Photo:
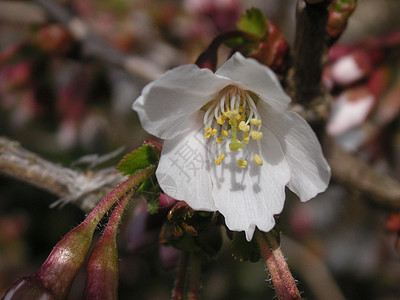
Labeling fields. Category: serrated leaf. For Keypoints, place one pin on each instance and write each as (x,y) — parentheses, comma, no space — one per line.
(244,250)
(138,160)
(253,21)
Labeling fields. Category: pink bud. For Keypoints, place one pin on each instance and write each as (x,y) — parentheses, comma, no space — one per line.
(57,273)
(102,269)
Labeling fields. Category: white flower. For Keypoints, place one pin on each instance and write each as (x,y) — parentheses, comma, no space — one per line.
(230,145)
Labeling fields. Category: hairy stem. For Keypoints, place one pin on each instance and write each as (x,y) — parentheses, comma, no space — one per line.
(285,286)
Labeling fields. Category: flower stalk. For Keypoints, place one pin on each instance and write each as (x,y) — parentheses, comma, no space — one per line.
(285,286)
(179,285)
(194,287)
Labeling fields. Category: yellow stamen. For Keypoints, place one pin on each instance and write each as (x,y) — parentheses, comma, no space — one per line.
(220,121)
(256,135)
(219,140)
(246,138)
(242,163)
(219,159)
(255,122)
(224,133)
(243,127)
(207,135)
(257,160)
(214,132)
(208,129)
(241,109)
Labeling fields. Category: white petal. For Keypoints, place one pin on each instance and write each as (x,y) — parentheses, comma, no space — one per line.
(249,74)
(249,198)
(183,168)
(310,171)
(166,105)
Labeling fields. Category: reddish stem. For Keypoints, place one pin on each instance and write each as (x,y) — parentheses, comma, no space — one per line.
(285,286)
(194,288)
(179,286)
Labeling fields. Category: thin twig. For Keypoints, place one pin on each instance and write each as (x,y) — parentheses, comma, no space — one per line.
(94,46)
(349,170)
(83,188)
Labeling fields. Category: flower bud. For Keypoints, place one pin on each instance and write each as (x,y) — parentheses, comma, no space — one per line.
(57,273)
(28,288)
(102,269)
(273,50)
(55,277)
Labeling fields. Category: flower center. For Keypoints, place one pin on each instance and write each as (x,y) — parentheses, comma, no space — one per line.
(232,117)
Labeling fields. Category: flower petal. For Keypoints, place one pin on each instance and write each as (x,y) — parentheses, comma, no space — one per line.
(250,197)
(250,75)
(183,168)
(310,171)
(167,104)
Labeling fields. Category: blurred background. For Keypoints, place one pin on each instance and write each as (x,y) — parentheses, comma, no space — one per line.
(69,72)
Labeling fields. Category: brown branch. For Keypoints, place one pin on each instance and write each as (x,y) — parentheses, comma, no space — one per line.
(94,46)
(309,48)
(83,188)
(349,170)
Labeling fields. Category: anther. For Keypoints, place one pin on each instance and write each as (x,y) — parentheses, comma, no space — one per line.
(242,163)
(219,140)
(214,132)
(256,135)
(220,121)
(258,160)
(246,138)
(243,127)
(219,159)
(255,122)
(207,135)
(208,129)
(224,133)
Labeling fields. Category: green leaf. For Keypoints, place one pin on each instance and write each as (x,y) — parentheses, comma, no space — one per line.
(244,250)
(138,160)
(253,21)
